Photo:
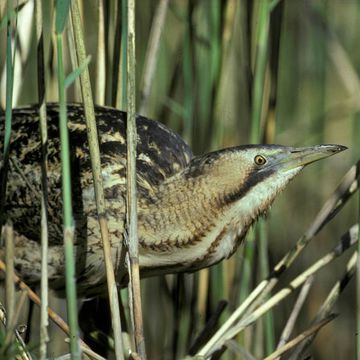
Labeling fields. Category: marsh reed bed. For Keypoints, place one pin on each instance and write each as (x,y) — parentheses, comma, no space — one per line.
(220,73)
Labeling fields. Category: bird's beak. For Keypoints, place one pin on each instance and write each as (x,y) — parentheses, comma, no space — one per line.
(300,157)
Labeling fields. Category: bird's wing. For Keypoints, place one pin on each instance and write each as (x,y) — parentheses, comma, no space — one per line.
(160,154)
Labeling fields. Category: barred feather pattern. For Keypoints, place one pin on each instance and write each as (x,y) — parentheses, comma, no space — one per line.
(160,154)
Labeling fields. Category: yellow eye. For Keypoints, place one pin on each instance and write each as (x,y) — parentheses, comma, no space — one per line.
(259,160)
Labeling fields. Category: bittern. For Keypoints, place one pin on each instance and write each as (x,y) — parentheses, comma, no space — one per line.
(192,211)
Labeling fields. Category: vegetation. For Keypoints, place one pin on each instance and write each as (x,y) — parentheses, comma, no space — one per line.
(220,73)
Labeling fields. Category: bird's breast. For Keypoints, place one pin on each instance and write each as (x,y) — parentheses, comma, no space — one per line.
(213,244)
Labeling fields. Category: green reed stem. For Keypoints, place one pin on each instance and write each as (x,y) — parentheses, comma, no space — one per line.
(10,63)
(44,318)
(67,209)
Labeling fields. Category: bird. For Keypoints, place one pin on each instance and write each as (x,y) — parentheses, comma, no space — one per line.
(193,211)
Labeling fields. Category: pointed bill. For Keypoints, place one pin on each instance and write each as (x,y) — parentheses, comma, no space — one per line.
(300,157)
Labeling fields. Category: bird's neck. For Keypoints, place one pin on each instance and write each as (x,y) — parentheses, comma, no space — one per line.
(193,219)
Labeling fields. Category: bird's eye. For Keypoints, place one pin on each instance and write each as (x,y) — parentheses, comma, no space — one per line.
(259,160)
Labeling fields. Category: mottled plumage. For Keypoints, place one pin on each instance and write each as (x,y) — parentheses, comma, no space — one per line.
(192,213)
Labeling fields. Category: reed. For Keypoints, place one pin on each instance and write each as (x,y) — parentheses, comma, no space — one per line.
(220,73)
(62,11)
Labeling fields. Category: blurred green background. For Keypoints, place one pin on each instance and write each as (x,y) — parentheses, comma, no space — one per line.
(203,87)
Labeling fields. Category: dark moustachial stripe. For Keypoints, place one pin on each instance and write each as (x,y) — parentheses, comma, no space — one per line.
(250,182)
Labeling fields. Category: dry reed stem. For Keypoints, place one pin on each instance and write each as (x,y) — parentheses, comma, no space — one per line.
(209,328)
(9,284)
(152,54)
(313,329)
(98,183)
(121,62)
(304,292)
(338,250)
(25,355)
(131,203)
(11,323)
(234,316)
(228,333)
(239,351)
(329,303)
(52,314)
(100,76)
(203,291)
(44,321)
(70,36)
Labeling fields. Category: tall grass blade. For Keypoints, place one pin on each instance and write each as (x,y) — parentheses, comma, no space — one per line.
(62,12)
(9,15)
(100,78)
(77,72)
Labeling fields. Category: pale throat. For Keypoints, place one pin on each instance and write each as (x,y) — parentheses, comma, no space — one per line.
(239,215)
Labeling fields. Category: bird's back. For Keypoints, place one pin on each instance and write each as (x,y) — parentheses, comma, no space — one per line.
(160,154)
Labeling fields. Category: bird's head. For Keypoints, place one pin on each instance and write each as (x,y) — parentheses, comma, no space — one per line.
(253,175)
